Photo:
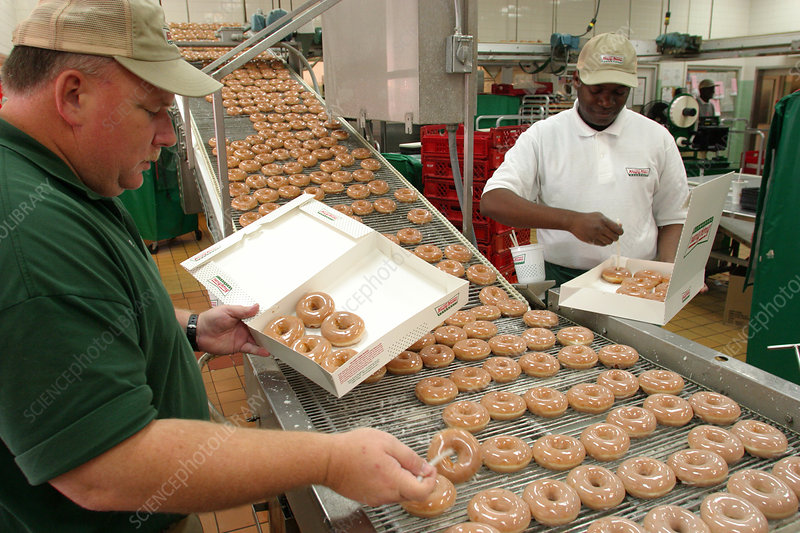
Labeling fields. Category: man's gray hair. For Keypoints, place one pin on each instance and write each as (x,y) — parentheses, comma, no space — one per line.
(28,68)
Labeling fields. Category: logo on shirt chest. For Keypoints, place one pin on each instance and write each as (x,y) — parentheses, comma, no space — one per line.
(634,172)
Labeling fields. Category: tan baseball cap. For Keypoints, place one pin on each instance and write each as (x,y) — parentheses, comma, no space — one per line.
(608,58)
(706,83)
(134,32)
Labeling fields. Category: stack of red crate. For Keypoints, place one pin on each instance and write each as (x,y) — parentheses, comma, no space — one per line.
(494,239)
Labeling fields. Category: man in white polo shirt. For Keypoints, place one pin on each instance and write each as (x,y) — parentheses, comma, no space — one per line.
(596,173)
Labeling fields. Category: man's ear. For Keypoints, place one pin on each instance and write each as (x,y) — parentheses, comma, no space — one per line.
(71,92)
(576,79)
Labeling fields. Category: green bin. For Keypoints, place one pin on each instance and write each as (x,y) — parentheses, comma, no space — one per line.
(409,166)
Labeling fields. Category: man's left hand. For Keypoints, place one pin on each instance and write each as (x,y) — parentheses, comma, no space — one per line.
(220,331)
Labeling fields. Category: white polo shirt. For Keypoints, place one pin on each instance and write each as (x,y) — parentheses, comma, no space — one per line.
(631,172)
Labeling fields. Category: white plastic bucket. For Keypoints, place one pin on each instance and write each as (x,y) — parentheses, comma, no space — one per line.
(529,263)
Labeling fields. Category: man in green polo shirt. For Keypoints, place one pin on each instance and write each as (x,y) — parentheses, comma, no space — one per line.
(102,407)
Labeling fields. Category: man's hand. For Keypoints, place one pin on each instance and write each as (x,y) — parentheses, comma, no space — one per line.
(375,468)
(220,330)
(595,228)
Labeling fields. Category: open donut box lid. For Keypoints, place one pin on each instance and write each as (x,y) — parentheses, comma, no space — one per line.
(590,292)
(306,246)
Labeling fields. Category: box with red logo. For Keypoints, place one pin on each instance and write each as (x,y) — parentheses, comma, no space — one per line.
(306,246)
(590,292)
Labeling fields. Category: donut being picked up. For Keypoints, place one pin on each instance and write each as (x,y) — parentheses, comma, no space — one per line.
(440,500)
(464,446)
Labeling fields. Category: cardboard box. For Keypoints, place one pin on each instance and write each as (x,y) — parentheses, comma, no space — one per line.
(737,301)
(307,246)
(591,293)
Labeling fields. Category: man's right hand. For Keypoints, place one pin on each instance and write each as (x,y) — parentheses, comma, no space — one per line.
(595,228)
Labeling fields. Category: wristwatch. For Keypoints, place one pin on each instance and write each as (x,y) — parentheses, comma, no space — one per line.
(191,332)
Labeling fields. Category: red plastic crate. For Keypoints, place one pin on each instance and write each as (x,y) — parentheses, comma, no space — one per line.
(500,260)
(504,137)
(435,142)
(445,189)
(439,167)
(485,228)
(502,241)
(509,273)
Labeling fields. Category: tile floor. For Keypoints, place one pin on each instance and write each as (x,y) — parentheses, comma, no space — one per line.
(701,320)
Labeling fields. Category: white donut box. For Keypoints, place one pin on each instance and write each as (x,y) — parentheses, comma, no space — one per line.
(589,292)
(306,246)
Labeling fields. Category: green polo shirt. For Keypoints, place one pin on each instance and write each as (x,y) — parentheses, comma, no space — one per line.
(90,350)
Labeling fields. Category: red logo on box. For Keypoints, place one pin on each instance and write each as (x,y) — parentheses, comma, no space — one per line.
(447,305)
(221,284)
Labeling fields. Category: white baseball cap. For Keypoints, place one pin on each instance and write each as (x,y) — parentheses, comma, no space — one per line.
(608,58)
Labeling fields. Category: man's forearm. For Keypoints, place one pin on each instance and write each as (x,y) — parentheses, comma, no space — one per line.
(668,238)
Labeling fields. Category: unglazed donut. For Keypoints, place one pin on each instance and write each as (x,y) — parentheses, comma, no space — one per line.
(409,236)
(728,513)
(645,477)
(673,518)
(618,356)
(636,421)
(492,295)
(508,345)
(343,328)
(441,499)
(614,524)
(463,414)
(767,492)
(575,335)
(419,216)
(435,390)
(512,307)
(670,410)
(449,335)
(503,405)
(285,329)
(590,398)
(540,318)
(621,382)
(545,402)
(406,362)
(577,356)
(481,275)
(539,364)
(605,442)
(313,308)
(701,468)
(615,274)
(760,439)
(539,339)
(472,350)
(715,408)
(501,509)
(788,470)
(502,369)
(660,381)
(312,346)
(598,487)
(558,452)
(506,453)
(552,502)
(718,440)
(456,252)
(466,449)
(436,355)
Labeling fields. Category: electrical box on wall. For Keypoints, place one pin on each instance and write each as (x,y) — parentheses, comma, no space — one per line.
(389,59)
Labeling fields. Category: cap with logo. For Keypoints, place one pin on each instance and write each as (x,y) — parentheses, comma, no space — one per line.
(608,58)
(133,32)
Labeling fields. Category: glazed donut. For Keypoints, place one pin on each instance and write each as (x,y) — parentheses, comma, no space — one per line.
(385,206)
(545,402)
(663,381)
(715,408)
(575,335)
(634,290)
(486,312)
(361,153)
(419,216)
(512,307)
(605,442)
(728,513)
(503,405)
(313,308)
(539,364)
(362,207)
(289,192)
(456,252)
(307,160)
(406,362)
(370,164)
(558,452)
(621,382)
(463,414)
(336,358)
(362,175)
(343,328)
(312,346)
(264,159)
(435,390)
(441,499)
(590,398)
(481,275)
(317,193)
(717,440)
(577,356)
(470,378)
(345,159)
(332,124)
(293,167)
(539,338)
(329,166)
(674,518)
(767,492)
(248,218)
(285,329)
(378,187)
(449,335)
(436,355)
(614,524)
(466,449)
(454,268)
(409,236)
(492,295)
(670,410)
(471,349)
(428,252)
(618,356)
(376,376)
(405,195)
(760,439)
(636,421)
(323,154)
(320,177)
(245,202)
(645,477)
(505,453)
(236,174)
(331,187)
(615,274)
(598,487)
(341,176)
(502,369)
(340,135)
(552,502)
(649,275)
(425,340)
(508,345)
(788,470)
(501,509)
(237,188)
(460,318)
(391,237)
(540,318)
(266,195)
(357,191)
(700,468)
(265,209)
(249,165)
(471,527)
(344,209)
